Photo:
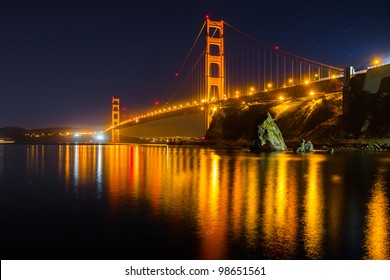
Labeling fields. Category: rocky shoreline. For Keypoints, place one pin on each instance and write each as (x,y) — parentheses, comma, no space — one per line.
(358,146)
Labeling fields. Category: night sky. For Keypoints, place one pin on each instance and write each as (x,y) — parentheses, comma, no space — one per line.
(61,61)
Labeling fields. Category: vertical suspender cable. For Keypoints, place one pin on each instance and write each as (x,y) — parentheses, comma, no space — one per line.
(284,70)
(264,67)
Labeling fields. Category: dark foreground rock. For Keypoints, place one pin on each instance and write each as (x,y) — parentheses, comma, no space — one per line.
(267,136)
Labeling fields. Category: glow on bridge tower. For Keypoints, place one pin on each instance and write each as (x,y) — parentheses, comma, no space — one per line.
(214,65)
(115,119)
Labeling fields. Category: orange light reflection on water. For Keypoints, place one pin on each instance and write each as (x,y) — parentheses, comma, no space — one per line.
(314,209)
(377,231)
(67,165)
(280,219)
(273,202)
(251,220)
(212,209)
(237,198)
(35,159)
(116,157)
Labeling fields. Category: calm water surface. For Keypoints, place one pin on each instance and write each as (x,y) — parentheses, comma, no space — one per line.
(160,202)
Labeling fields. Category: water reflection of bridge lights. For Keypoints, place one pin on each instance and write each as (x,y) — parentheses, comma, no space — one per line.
(314,209)
(377,234)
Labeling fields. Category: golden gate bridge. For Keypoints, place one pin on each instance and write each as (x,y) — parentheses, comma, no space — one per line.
(226,67)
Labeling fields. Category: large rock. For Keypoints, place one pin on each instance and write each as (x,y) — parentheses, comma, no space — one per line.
(304,147)
(267,137)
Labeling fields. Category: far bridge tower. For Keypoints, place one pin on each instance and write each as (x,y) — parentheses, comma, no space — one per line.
(115,119)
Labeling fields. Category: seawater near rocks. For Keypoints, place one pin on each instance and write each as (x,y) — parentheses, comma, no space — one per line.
(267,136)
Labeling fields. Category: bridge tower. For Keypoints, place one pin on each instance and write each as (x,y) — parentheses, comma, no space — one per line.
(214,66)
(115,119)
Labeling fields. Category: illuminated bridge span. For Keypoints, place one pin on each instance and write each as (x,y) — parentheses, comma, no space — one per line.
(226,67)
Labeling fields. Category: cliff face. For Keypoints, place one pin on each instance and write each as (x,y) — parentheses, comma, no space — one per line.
(306,117)
(369,114)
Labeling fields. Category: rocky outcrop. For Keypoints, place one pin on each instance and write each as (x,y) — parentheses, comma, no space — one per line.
(304,147)
(267,136)
(306,117)
(368,116)
(317,118)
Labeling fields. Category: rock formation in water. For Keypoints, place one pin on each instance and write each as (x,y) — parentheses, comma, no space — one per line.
(304,147)
(267,136)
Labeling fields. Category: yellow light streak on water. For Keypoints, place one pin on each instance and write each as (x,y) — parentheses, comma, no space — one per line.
(252,203)
(314,209)
(377,231)
(280,219)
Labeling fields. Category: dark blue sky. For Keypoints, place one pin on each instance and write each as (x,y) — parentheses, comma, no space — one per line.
(61,61)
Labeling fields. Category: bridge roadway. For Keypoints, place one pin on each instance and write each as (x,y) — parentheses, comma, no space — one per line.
(295,91)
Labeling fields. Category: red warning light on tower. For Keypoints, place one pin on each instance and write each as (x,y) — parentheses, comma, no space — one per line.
(276,47)
(207,16)
(155,102)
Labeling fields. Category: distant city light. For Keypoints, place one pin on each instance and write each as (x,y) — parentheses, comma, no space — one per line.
(99,137)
